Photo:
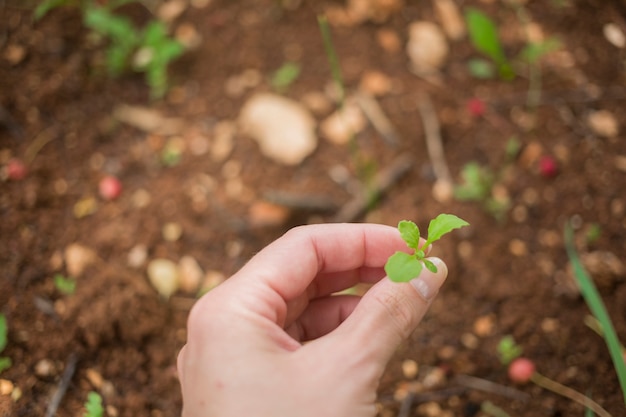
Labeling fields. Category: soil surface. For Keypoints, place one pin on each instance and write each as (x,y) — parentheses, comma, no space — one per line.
(221,199)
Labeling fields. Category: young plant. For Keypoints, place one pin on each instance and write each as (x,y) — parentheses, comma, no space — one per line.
(284,76)
(93,405)
(402,266)
(150,49)
(484,36)
(5,363)
(596,305)
(65,285)
(522,370)
(478,183)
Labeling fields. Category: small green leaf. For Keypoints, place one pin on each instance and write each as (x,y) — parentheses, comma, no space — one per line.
(410,233)
(442,224)
(65,285)
(4,331)
(430,266)
(402,267)
(484,35)
(285,75)
(5,363)
(93,405)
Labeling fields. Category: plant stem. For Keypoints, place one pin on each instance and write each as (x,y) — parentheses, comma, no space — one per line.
(332,58)
(547,383)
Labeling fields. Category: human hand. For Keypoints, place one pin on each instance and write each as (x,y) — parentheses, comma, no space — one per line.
(245,354)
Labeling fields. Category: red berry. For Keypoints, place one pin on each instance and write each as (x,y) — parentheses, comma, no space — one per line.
(16,170)
(548,167)
(476,107)
(110,187)
(521,370)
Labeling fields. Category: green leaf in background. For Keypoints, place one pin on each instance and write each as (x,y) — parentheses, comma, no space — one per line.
(481,69)
(403,267)
(285,76)
(534,51)
(484,36)
(5,363)
(65,285)
(596,305)
(4,331)
(442,224)
(93,405)
(410,233)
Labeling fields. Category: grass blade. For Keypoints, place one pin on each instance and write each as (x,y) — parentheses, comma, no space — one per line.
(597,307)
(332,57)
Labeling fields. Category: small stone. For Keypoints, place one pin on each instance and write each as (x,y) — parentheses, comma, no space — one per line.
(170,10)
(375,83)
(188,36)
(94,377)
(211,280)
(409,369)
(223,143)
(344,124)
(265,214)
(603,123)
(434,377)
(141,198)
(530,155)
(84,207)
(190,274)
(388,40)
(317,102)
(469,340)
(163,275)
(199,145)
(429,409)
(45,368)
(427,47)
(517,247)
(549,238)
(484,326)
(605,268)
(137,256)
(446,353)
(451,19)
(77,258)
(6,387)
(443,191)
(14,54)
(172,231)
(234,248)
(614,34)
(549,325)
(283,128)
(519,214)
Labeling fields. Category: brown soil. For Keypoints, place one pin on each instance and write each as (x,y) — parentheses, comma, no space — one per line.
(508,277)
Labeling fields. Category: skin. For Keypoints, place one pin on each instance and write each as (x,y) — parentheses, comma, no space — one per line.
(245,353)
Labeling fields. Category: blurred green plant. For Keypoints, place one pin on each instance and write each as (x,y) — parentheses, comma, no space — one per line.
(284,76)
(149,50)
(484,37)
(508,350)
(5,363)
(596,305)
(93,405)
(64,284)
(477,184)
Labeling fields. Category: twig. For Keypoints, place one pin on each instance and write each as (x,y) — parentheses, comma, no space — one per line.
(490,408)
(64,383)
(38,143)
(377,117)
(308,202)
(433,137)
(407,405)
(567,392)
(381,183)
(489,386)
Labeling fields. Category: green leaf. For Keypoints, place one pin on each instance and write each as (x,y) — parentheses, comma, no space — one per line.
(442,224)
(508,350)
(430,266)
(4,331)
(5,363)
(65,285)
(402,267)
(93,405)
(285,75)
(410,233)
(484,35)
(481,68)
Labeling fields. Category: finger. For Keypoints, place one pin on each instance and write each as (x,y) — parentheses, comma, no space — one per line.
(391,311)
(292,262)
(322,316)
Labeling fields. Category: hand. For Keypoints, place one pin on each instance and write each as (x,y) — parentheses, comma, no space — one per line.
(245,354)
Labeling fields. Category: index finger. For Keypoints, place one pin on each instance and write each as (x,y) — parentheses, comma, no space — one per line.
(291,263)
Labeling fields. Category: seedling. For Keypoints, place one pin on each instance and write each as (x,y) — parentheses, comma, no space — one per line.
(5,363)
(65,285)
(93,405)
(285,76)
(478,183)
(484,36)
(522,370)
(150,49)
(402,266)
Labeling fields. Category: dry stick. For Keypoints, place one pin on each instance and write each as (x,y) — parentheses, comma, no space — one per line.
(64,383)
(490,386)
(377,117)
(382,182)
(567,392)
(434,143)
(308,202)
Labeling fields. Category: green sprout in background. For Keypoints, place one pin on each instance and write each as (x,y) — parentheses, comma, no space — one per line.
(93,405)
(5,363)
(149,50)
(64,284)
(284,76)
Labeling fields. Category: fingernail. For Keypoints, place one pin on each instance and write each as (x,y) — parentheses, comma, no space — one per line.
(428,283)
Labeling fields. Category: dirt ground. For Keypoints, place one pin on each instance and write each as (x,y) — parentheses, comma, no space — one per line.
(219,205)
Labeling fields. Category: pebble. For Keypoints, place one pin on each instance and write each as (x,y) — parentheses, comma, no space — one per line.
(519,214)
(434,377)
(77,258)
(223,144)
(211,280)
(188,36)
(484,326)
(603,123)
(451,19)
(172,231)
(410,368)
(427,47)
(614,34)
(137,256)
(317,102)
(389,40)
(94,377)
(283,128)
(344,124)
(530,154)
(6,387)
(375,83)
(469,340)
(234,248)
(170,10)
(518,247)
(190,274)
(141,198)
(199,145)
(549,325)
(265,214)
(45,368)
(163,275)
(14,54)
(549,238)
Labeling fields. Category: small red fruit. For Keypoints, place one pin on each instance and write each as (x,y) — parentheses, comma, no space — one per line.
(521,370)
(476,107)
(110,187)
(548,167)
(16,170)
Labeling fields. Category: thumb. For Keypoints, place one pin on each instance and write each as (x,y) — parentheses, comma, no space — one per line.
(389,312)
